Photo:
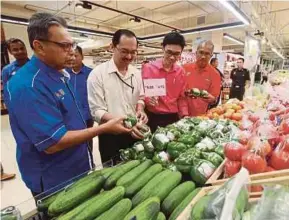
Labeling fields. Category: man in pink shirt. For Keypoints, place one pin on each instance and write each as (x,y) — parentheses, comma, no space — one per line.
(164,110)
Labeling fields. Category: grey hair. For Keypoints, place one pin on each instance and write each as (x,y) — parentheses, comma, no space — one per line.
(39,25)
(206,43)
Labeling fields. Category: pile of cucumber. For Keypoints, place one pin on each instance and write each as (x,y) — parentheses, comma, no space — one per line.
(133,190)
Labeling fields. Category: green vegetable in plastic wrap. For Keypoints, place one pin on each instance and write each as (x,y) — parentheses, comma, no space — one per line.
(213,157)
(148,146)
(130,121)
(160,141)
(201,171)
(161,158)
(220,150)
(204,93)
(174,149)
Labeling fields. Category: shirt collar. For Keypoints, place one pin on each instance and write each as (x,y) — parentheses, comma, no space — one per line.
(159,64)
(53,73)
(16,63)
(113,69)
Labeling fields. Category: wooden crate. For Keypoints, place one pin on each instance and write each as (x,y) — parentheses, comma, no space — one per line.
(216,178)
(275,177)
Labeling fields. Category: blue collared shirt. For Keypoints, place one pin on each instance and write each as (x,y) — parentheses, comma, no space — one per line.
(42,108)
(10,70)
(79,84)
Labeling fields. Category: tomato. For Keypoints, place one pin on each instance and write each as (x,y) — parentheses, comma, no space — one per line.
(254,118)
(220,110)
(237,116)
(274,141)
(285,144)
(228,115)
(272,116)
(244,137)
(269,169)
(231,168)
(234,151)
(254,163)
(279,159)
(284,127)
(215,115)
(242,104)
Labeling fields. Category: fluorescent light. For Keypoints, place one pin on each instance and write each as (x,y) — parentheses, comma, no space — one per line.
(13,21)
(231,38)
(88,32)
(278,53)
(80,38)
(236,11)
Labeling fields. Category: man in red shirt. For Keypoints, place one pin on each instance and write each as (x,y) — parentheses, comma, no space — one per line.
(164,110)
(203,76)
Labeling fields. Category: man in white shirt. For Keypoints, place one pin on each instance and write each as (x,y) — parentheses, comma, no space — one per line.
(115,89)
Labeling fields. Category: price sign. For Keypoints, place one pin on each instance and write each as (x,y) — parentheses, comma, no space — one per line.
(155,87)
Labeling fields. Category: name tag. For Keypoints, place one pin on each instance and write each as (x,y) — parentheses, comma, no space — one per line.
(155,87)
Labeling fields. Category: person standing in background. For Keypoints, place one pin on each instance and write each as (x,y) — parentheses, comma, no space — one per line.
(240,80)
(215,63)
(78,78)
(264,76)
(115,88)
(45,117)
(203,76)
(17,49)
(167,109)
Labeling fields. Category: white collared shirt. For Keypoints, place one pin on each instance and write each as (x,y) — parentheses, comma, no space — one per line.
(111,92)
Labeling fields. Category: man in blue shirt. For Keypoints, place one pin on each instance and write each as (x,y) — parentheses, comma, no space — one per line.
(78,80)
(17,49)
(45,115)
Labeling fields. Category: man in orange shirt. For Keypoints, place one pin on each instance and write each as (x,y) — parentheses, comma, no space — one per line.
(203,76)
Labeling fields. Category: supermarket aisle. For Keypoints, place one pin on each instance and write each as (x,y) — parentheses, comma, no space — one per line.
(14,191)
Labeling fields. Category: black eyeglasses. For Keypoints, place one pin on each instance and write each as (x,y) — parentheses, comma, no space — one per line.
(65,46)
(125,52)
(172,53)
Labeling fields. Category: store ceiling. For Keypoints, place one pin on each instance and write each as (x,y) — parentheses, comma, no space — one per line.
(179,14)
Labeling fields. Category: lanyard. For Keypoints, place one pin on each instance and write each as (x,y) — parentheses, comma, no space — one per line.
(129,85)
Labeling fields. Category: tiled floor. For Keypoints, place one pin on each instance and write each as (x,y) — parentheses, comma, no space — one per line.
(14,192)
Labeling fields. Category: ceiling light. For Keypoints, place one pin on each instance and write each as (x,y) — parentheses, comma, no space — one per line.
(278,53)
(84,5)
(135,19)
(235,10)
(231,38)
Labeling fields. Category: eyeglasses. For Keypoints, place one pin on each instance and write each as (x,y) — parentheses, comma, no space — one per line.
(125,52)
(203,53)
(172,53)
(65,46)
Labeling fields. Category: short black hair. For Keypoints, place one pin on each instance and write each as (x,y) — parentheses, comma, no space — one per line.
(13,40)
(213,60)
(117,35)
(39,25)
(79,49)
(174,38)
(241,59)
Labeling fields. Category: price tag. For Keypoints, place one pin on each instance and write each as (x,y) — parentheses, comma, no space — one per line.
(155,87)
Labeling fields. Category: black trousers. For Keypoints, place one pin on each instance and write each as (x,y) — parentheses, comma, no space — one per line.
(161,120)
(265,79)
(237,93)
(109,146)
(89,124)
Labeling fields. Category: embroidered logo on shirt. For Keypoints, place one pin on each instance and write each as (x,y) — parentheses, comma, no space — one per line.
(13,73)
(60,93)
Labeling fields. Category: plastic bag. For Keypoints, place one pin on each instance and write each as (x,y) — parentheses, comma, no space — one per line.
(279,159)
(274,204)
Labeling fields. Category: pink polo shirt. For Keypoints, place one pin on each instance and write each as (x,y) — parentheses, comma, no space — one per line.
(174,101)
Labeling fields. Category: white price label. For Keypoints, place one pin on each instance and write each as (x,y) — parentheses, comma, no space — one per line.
(155,87)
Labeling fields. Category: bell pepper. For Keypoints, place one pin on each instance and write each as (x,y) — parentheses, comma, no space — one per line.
(161,158)
(183,168)
(201,171)
(149,155)
(146,131)
(196,92)
(173,134)
(127,154)
(189,139)
(220,150)
(138,147)
(207,144)
(172,167)
(148,146)
(160,141)
(130,121)
(141,156)
(174,149)
(213,157)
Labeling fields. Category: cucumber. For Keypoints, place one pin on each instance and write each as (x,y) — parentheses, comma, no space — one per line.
(161,216)
(106,172)
(176,197)
(142,180)
(147,190)
(180,208)
(147,210)
(67,200)
(129,177)
(95,206)
(118,211)
(120,171)
(199,208)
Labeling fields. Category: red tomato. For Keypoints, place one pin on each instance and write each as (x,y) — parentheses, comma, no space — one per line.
(254,163)
(263,148)
(285,144)
(237,116)
(231,168)
(284,127)
(234,151)
(244,137)
(279,159)
(269,169)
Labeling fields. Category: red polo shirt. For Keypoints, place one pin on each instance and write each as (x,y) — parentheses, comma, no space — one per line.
(206,79)
(174,101)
